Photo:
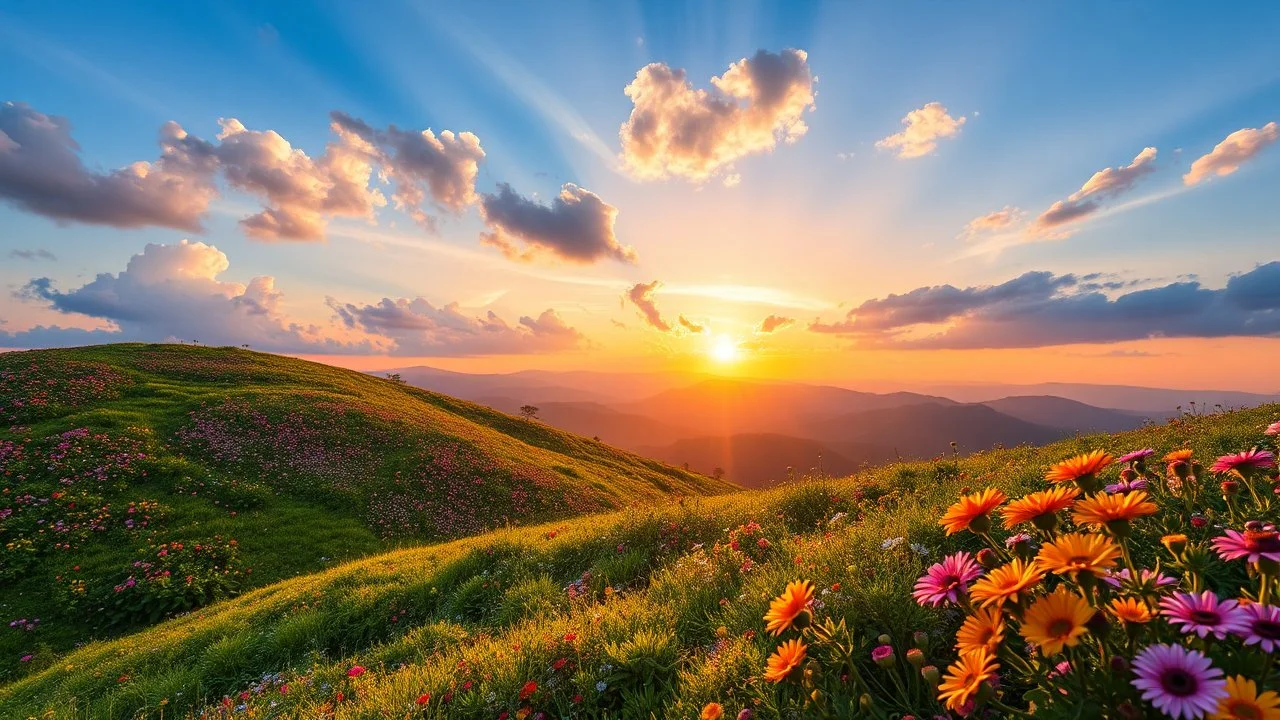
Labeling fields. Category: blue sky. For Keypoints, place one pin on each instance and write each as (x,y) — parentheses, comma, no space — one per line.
(1049,94)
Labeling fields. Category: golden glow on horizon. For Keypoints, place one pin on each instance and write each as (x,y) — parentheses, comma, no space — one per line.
(725,349)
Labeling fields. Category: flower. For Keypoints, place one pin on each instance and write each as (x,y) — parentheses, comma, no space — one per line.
(1131,610)
(1107,509)
(1255,458)
(423,699)
(784,660)
(882,655)
(1039,507)
(1056,620)
(1252,545)
(1005,583)
(356,671)
(787,608)
(1142,454)
(1203,614)
(1180,683)
(1273,429)
(1261,626)
(1073,553)
(984,629)
(1080,466)
(1149,581)
(891,543)
(1126,485)
(1182,455)
(972,511)
(528,689)
(965,676)
(712,711)
(1242,702)
(946,581)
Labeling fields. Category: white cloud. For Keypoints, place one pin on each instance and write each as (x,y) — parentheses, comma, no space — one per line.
(923,129)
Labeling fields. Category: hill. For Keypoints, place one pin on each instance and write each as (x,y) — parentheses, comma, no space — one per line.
(624,614)
(756,459)
(1069,415)
(928,429)
(1155,402)
(144,480)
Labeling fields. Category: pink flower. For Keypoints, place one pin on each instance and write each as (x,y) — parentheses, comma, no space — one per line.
(1255,458)
(1252,544)
(882,652)
(1142,454)
(1180,683)
(1203,614)
(945,581)
(356,671)
(1273,429)
(1261,627)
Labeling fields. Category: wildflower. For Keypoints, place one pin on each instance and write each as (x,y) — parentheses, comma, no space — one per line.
(1056,620)
(1131,610)
(789,608)
(972,511)
(920,549)
(892,543)
(528,689)
(1273,429)
(1177,456)
(1242,702)
(1129,481)
(1004,583)
(1180,683)
(1261,626)
(602,686)
(915,656)
(1080,469)
(1203,614)
(1075,553)
(1147,582)
(745,714)
(1142,454)
(883,656)
(1251,545)
(965,677)
(1255,458)
(983,630)
(784,660)
(356,671)
(1039,508)
(423,699)
(712,711)
(1113,511)
(947,580)
(1175,543)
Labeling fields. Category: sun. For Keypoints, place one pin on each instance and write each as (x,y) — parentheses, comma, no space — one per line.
(725,349)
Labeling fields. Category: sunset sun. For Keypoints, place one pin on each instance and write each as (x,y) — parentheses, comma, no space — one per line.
(724,349)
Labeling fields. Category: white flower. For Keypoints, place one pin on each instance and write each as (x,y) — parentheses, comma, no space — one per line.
(837,518)
(602,686)
(892,543)
(920,550)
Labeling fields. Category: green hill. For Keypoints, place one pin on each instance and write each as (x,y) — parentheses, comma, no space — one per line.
(631,614)
(140,481)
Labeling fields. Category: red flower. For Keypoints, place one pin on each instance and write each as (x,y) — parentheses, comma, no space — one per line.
(529,688)
(504,715)
(356,671)
(559,664)
(570,637)
(577,698)
(448,696)
(466,685)
(423,699)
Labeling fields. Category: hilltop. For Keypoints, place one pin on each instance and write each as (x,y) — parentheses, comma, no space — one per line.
(141,481)
(632,614)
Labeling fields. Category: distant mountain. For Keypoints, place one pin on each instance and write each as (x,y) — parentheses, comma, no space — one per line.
(620,429)
(928,429)
(756,459)
(541,386)
(1067,414)
(1157,402)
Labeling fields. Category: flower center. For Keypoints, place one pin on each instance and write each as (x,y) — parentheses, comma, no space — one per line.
(1262,541)
(1266,629)
(1205,617)
(1078,561)
(1060,627)
(1179,682)
(1244,710)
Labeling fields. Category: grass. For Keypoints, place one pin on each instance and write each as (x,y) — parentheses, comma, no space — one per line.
(260,468)
(641,614)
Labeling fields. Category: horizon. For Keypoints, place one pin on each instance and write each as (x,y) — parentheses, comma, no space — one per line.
(815,192)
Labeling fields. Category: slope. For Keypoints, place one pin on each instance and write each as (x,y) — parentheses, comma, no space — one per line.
(928,430)
(754,460)
(1070,415)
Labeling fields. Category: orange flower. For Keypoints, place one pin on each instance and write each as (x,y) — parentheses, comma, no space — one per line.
(1130,610)
(965,676)
(787,608)
(1103,509)
(712,711)
(1004,583)
(784,660)
(1178,456)
(1079,552)
(1039,507)
(1080,466)
(983,630)
(1243,702)
(972,511)
(1056,620)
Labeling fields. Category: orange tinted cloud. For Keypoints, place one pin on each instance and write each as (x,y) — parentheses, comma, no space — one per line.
(923,129)
(1227,156)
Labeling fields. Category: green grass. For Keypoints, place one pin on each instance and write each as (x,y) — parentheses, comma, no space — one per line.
(303,465)
(663,617)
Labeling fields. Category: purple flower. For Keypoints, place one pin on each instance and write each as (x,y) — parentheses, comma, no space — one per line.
(1142,454)
(1180,683)
(1261,626)
(1148,580)
(1011,541)
(946,580)
(1203,614)
(1255,458)
(1252,545)
(1125,486)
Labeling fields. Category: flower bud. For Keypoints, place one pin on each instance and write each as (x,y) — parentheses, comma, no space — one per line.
(884,656)
(916,657)
(1119,665)
(745,714)
(884,640)
(865,703)
(1230,487)
(1175,543)
(1198,521)
(932,676)
(988,559)
(920,639)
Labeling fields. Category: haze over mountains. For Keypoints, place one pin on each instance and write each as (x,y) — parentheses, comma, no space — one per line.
(759,431)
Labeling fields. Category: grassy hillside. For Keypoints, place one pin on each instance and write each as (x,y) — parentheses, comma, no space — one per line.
(140,481)
(636,614)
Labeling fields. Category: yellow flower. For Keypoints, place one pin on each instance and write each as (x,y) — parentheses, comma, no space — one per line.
(1056,620)
(1039,507)
(1079,552)
(1131,610)
(1103,509)
(787,607)
(785,659)
(1005,583)
(712,711)
(983,630)
(972,511)
(1088,464)
(965,676)
(1244,703)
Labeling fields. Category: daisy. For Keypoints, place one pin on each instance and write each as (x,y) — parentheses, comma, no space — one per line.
(1079,468)
(1261,626)
(1180,683)
(1252,545)
(1074,553)
(1182,455)
(1004,583)
(1242,702)
(983,630)
(965,676)
(1131,610)
(972,511)
(788,607)
(1038,508)
(1147,582)
(1142,454)
(946,581)
(712,711)
(784,660)
(1125,485)
(1203,614)
(1273,429)
(1255,458)
(1056,620)
(1113,511)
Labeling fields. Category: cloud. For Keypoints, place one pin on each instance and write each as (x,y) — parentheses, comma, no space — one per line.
(923,129)
(691,326)
(1039,309)
(1104,185)
(416,327)
(173,291)
(676,130)
(773,323)
(641,294)
(993,221)
(39,254)
(1227,156)
(41,172)
(576,226)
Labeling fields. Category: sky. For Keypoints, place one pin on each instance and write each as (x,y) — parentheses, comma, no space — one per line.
(850,193)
